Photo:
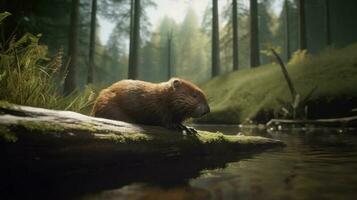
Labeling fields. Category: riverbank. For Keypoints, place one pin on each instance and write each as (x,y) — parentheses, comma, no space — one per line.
(259,94)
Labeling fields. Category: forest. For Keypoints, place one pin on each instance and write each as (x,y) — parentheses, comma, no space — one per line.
(63,37)
(270,73)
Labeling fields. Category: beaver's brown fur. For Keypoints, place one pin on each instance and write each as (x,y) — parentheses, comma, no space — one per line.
(165,104)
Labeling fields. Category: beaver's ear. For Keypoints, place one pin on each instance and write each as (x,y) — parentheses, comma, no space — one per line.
(176,83)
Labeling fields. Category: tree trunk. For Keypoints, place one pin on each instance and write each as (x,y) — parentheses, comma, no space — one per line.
(327,21)
(131,35)
(302,25)
(169,54)
(70,80)
(254,39)
(93,29)
(287,30)
(133,64)
(215,39)
(235,35)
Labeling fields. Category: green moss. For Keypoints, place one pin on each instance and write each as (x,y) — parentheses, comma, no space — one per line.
(209,137)
(5,104)
(125,139)
(250,93)
(71,132)
(86,126)
(41,127)
(202,138)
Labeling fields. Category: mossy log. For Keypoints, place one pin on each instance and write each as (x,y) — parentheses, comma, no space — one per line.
(41,137)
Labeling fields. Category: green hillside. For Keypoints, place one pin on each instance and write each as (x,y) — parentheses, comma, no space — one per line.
(253,93)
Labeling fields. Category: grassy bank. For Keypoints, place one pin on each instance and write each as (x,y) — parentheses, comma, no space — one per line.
(256,94)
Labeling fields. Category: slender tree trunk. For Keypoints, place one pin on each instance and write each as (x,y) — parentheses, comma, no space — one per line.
(302,25)
(133,69)
(235,35)
(287,30)
(215,39)
(70,80)
(328,24)
(169,53)
(93,29)
(254,31)
(131,35)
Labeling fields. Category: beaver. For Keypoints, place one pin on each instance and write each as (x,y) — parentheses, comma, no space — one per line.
(165,104)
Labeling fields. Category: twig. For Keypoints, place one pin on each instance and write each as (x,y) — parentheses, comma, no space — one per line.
(333,122)
(286,75)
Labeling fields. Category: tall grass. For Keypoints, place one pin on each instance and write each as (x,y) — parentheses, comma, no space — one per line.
(29,76)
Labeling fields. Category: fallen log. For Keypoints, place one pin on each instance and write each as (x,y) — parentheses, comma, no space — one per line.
(40,138)
(333,122)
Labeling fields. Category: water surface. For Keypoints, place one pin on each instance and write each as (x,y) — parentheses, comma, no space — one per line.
(315,164)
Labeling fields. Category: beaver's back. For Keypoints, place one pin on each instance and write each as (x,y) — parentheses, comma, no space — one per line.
(132,101)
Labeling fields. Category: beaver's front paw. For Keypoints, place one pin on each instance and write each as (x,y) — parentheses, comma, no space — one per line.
(184,129)
(189,130)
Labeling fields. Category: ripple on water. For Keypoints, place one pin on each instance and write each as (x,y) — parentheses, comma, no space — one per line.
(318,164)
(311,166)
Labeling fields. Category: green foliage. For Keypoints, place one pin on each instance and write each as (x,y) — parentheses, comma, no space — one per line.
(258,93)
(3,16)
(28,76)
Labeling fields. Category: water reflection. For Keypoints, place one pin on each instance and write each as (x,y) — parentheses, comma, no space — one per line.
(315,164)
(142,191)
(157,180)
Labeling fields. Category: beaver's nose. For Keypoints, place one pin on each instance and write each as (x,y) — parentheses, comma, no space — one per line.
(206,109)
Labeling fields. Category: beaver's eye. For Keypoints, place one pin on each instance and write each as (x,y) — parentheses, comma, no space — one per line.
(194,95)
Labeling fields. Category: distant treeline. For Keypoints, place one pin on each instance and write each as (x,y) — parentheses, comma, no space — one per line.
(172,49)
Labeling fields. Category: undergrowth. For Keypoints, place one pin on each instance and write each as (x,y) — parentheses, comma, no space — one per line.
(29,76)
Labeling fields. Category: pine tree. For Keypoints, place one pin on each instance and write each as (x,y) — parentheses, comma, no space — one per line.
(215,39)
(287,30)
(70,80)
(302,25)
(135,41)
(328,23)
(92,41)
(254,31)
(235,35)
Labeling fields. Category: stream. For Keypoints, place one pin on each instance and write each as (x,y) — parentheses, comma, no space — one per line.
(314,164)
